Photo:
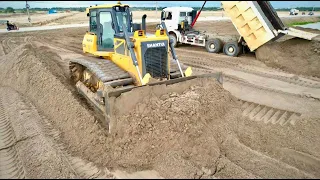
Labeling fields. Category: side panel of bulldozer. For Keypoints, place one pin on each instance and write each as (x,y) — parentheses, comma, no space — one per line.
(255,22)
(89,44)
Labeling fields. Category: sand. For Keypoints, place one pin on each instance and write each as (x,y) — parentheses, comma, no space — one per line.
(295,55)
(198,131)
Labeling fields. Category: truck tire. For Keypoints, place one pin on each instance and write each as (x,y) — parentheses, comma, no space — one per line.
(174,39)
(213,45)
(232,49)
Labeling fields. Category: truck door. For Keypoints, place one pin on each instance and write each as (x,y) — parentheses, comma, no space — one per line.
(168,19)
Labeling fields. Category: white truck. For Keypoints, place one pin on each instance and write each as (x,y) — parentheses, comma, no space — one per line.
(179,21)
(294,12)
(256,22)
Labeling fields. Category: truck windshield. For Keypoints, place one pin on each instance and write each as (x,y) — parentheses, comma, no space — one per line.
(121,19)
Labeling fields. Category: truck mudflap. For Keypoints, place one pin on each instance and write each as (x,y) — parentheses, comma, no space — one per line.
(104,101)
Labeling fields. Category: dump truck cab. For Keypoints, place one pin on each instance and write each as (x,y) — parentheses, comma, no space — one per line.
(173,16)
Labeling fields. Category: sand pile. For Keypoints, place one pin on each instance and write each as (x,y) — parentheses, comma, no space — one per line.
(141,143)
(294,55)
(173,132)
(194,130)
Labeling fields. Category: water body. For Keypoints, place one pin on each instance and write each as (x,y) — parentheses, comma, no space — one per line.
(311,25)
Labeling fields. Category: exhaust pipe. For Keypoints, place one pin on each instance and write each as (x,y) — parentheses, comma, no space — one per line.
(144,23)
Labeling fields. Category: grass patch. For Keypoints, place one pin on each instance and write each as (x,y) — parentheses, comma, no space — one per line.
(302,23)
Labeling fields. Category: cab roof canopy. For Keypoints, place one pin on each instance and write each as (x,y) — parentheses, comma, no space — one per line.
(105,6)
(187,9)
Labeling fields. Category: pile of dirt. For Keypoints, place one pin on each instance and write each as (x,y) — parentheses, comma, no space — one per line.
(295,55)
(36,73)
(143,142)
(172,131)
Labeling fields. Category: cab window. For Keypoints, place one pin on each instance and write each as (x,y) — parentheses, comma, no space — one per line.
(168,15)
(107,30)
(121,19)
(93,21)
(182,14)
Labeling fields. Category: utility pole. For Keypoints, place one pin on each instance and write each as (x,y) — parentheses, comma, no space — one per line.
(221,7)
(27,6)
(157,8)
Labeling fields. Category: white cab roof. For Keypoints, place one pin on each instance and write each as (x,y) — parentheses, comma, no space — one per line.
(186,9)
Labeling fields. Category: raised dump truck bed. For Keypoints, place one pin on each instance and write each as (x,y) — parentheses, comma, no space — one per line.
(258,23)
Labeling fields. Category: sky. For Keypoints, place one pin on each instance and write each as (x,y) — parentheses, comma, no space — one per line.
(49,4)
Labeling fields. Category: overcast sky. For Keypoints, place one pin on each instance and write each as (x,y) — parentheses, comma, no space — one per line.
(49,4)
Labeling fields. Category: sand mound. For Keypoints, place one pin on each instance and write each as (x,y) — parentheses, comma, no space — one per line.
(197,132)
(294,55)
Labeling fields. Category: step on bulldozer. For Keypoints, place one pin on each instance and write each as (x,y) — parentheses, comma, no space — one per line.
(119,56)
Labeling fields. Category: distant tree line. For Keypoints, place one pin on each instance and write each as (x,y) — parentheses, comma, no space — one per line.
(300,9)
(83,9)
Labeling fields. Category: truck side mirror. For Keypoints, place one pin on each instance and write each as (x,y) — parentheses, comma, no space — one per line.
(162,16)
(88,14)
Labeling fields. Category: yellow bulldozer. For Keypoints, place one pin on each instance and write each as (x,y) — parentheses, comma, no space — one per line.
(120,55)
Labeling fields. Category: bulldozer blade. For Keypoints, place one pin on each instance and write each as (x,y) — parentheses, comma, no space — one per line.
(105,104)
(117,92)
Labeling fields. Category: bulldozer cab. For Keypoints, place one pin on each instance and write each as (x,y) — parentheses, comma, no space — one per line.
(106,21)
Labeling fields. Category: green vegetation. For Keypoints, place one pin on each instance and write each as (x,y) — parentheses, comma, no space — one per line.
(9,10)
(307,9)
(302,23)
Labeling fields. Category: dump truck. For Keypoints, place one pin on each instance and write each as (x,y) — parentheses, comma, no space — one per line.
(257,23)
(294,12)
(119,56)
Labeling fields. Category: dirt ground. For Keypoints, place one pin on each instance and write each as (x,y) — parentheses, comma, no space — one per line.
(75,17)
(262,122)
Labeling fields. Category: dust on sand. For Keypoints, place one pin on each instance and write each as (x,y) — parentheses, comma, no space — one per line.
(295,55)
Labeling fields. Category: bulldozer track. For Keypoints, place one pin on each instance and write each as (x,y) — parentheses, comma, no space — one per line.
(266,114)
(103,69)
(11,166)
(107,71)
(291,80)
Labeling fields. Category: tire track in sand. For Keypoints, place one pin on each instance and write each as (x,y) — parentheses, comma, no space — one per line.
(11,166)
(200,63)
(38,128)
(225,61)
(294,105)
(266,114)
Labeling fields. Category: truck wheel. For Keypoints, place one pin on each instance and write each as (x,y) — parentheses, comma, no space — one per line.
(213,45)
(174,39)
(232,49)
